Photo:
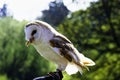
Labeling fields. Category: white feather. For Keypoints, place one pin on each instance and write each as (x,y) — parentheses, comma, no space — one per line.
(72,69)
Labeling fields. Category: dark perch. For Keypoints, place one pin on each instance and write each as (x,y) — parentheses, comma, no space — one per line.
(51,76)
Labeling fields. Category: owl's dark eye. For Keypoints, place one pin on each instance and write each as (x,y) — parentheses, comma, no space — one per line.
(33,32)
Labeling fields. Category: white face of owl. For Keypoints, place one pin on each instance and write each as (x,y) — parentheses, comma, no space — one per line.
(32,33)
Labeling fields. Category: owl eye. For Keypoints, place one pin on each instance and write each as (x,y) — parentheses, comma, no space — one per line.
(33,32)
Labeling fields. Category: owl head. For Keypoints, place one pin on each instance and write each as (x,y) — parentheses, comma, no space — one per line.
(32,32)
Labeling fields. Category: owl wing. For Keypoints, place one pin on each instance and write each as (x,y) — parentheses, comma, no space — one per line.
(64,46)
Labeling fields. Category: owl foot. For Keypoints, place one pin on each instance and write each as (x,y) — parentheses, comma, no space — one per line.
(56,75)
(51,76)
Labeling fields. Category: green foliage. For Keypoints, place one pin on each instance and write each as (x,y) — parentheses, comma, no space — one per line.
(18,62)
(3,77)
(95,32)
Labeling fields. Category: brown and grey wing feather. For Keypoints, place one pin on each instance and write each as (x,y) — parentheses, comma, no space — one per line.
(65,47)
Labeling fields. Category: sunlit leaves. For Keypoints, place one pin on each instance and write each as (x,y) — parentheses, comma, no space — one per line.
(92,34)
(18,62)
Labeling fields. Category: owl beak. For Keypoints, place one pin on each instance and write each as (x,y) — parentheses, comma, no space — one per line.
(27,43)
(30,41)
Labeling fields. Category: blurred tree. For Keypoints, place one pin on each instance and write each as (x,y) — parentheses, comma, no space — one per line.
(17,62)
(107,12)
(89,30)
(56,13)
(95,32)
(4,11)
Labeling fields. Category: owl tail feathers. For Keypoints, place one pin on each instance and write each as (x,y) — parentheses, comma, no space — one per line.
(73,68)
(87,62)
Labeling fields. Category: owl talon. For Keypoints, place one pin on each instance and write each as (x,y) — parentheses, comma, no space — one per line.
(56,75)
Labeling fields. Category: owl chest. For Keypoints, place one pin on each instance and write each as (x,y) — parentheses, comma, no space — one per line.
(47,52)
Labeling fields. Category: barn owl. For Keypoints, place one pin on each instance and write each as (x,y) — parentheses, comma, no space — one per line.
(56,47)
